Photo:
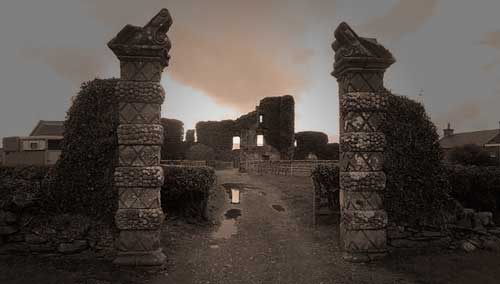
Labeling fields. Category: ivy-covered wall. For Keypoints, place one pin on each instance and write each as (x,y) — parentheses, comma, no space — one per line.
(82,179)
(277,126)
(417,190)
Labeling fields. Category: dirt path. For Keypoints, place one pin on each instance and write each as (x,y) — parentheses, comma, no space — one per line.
(271,242)
(267,238)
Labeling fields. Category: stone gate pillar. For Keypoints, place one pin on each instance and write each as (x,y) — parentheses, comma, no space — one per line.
(143,54)
(359,67)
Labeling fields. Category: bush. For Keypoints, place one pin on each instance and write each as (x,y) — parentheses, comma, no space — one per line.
(417,190)
(470,154)
(82,179)
(326,183)
(186,190)
(200,152)
(476,187)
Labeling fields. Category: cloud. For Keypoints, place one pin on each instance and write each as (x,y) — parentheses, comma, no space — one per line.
(492,39)
(71,63)
(236,52)
(405,17)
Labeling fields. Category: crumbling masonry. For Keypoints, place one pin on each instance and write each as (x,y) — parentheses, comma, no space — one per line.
(359,67)
(143,54)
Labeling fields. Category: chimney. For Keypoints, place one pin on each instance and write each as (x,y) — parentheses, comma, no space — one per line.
(448,131)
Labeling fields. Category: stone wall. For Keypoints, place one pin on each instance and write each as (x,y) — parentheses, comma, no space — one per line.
(24,230)
(285,167)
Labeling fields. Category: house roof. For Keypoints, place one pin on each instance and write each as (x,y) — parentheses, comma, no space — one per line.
(479,138)
(48,128)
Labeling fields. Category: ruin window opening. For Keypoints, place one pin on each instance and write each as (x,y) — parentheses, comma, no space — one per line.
(260,140)
(236,142)
(261,118)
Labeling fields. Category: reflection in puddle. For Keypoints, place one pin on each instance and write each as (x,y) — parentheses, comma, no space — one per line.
(233,213)
(228,226)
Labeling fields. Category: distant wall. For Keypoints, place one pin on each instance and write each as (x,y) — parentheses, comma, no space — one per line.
(188,163)
(286,167)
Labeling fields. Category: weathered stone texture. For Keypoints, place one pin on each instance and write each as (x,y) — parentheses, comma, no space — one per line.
(363,101)
(139,176)
(143,54)
(139,92)
(362,141)
(140,113)
(141,70)
(140,134)
(139,219)
(364,219)
(359,68)
(139,198)
(362,181)
(361,161)
(138,240)
(139,155)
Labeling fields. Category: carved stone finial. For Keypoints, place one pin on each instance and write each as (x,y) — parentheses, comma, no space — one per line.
(354,52)
(148,41)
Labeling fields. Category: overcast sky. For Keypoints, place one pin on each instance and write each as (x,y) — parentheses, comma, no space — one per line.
(229,54)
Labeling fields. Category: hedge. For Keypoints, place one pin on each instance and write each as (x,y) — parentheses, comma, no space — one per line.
(186,190)
(309,142)
(417,190)
(476,187)
(173,147)
(82,179)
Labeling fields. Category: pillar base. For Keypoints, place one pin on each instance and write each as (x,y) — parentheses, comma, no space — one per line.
(358,257)
(148,258)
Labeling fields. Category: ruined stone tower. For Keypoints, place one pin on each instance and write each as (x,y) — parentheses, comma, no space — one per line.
(359,67)
(143,54)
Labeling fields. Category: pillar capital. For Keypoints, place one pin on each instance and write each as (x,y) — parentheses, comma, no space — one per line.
(354,53)
(143,51)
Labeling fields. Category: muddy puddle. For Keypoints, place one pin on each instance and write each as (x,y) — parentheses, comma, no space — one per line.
(228,227)
(278,208)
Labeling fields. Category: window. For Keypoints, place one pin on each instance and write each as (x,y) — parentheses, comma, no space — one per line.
(236,143)
(295,143)
(261,118)
(33,145)
(260,140)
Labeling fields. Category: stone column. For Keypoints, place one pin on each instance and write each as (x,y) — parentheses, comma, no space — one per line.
(359,67)
(143,54)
